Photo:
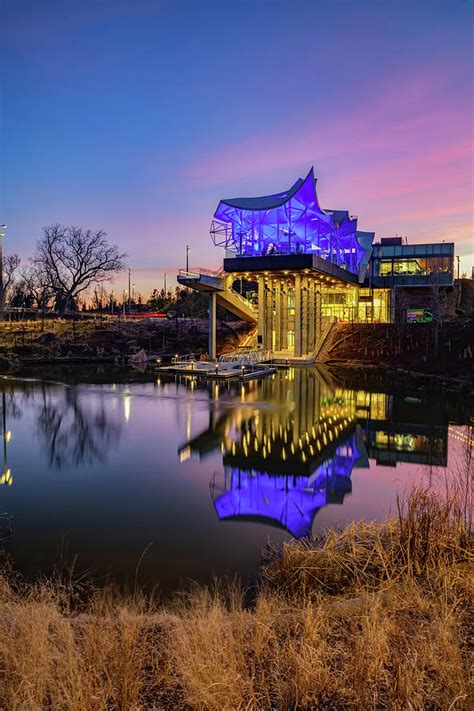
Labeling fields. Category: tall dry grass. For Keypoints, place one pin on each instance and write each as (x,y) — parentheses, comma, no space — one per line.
(375,616)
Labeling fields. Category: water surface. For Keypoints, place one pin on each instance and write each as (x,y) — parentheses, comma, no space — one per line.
(202,476)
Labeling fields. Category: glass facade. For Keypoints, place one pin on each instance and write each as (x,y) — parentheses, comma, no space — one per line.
(358,305)
(413,260)
(339,305)
(417,266)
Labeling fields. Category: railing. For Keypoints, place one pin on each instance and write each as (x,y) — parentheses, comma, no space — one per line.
(241,298)
(184,360)
(199,272)
(244,358)
(188,275)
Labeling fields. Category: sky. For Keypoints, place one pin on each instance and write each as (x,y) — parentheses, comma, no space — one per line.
(138,116)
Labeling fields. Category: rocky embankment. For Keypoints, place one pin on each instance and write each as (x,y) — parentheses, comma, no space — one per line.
(411,349)
(110,342)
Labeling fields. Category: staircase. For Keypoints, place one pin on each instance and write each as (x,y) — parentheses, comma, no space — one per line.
(215,281)
(324,341)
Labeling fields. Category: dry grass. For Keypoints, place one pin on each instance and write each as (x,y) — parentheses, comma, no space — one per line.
(376,616)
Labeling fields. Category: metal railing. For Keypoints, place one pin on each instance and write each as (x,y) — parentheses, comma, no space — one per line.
(184,359)
(238,359)
(199,272)
(242,299)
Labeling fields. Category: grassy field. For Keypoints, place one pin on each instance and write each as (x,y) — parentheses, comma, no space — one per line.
(374,616)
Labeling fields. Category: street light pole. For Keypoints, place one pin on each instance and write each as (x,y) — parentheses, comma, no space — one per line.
(129,291)
(2,293)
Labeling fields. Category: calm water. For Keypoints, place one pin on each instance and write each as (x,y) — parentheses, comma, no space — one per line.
(206,474)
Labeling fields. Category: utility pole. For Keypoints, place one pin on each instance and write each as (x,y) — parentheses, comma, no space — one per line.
(459,259)
(164,283)
(2,294)
(129,291)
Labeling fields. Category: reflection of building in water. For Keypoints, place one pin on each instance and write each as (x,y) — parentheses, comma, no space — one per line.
(403,429)
(290,446)
(286,500)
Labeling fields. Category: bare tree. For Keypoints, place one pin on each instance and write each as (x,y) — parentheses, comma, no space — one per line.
(99,297)
(10,267)
(71,259)
(32,289)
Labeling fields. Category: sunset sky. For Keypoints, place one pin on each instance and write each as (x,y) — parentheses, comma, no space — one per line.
(137,117)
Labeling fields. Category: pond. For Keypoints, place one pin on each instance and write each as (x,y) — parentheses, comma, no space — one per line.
(171,480)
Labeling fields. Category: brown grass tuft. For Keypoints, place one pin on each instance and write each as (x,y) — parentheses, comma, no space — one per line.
(375,616)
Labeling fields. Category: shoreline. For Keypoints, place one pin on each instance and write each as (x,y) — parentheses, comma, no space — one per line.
(434,381)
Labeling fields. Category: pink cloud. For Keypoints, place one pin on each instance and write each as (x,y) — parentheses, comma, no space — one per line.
(401,161)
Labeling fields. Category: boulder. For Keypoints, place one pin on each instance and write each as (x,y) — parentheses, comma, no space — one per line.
(48,339)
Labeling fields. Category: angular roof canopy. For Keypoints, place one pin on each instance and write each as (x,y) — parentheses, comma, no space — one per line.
(266,202)
(288,222)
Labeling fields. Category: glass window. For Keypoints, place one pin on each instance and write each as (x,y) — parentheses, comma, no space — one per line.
(385,267)
(409,266)
(381,305)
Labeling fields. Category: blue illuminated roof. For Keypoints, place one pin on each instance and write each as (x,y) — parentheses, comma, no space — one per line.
(289,222)
(265,202)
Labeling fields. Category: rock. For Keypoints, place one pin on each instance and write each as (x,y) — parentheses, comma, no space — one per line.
(139,358)
(5,363)
(48,339)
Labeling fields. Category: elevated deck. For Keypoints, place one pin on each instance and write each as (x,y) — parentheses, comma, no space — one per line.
(290,263)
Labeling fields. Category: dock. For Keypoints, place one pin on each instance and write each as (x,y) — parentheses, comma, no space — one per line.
(240,365)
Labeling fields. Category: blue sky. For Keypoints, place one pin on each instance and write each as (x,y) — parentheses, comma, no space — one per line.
(137,117)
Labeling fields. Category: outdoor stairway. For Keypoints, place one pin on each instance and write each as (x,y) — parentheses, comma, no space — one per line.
(323,342)
(215,281)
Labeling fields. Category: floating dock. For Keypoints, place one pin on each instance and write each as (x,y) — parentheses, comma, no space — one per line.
(242,365)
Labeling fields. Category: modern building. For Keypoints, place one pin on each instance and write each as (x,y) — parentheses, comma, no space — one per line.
(294,268)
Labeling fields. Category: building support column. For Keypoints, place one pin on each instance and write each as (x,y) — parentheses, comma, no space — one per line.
(284,315)
(304,316)
(312,317)
(318,317)
(212,325)
(278,315)
(298,344)
(267,341)
(261,311)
